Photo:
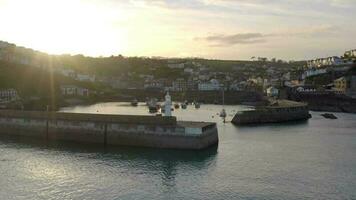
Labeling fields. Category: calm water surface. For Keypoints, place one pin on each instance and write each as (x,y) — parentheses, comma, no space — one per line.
(311,160)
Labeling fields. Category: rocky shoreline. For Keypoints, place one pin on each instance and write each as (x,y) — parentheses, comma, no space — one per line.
(333,108)
(327,102)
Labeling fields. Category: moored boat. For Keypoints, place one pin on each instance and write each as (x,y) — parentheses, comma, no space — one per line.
(222,113)
(329,116)
(134,102)
(153,107)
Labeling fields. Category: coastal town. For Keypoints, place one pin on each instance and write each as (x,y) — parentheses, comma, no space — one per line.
(177,100)
(79,78)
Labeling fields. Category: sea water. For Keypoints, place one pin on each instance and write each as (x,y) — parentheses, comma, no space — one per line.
(315,159)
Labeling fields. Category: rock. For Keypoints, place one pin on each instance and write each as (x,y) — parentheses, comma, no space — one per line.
(329,116)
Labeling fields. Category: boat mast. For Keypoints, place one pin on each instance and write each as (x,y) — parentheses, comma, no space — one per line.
(223,112)
(223,97)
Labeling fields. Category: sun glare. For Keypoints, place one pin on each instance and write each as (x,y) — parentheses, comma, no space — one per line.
(67,27)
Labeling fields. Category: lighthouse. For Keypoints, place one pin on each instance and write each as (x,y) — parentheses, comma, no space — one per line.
(168,105)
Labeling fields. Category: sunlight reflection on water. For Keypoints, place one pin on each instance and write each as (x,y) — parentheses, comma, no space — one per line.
(310,160)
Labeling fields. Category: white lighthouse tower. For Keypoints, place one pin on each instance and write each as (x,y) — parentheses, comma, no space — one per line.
(168,105)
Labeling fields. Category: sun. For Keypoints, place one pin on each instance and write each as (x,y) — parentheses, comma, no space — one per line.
(65,26)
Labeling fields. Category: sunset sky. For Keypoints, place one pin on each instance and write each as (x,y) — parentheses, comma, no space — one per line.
(223,29)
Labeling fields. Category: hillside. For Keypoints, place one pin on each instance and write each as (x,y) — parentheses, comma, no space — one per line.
(32,81)
(120,65)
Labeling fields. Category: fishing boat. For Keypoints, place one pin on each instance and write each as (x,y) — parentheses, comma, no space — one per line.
(222,113)
(329,116)
(134,102)
(152,105)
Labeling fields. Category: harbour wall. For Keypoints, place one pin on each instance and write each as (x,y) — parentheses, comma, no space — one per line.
(148,131)
(272,115)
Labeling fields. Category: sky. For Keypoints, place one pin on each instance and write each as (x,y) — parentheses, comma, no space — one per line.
(217,29)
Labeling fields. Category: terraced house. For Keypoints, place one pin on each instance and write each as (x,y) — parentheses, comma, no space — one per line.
(8,95)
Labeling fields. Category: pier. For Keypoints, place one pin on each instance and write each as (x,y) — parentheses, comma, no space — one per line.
(132,130)
(276,112)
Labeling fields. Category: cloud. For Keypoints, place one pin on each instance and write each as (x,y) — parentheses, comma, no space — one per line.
(229,40)
(257,7)
(226,40)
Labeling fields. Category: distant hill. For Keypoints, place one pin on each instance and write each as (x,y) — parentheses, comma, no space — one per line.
(119,65)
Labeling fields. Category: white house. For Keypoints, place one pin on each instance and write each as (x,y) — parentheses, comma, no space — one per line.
(188,70)
(176,65)
(67,72)
(213,84)
(313,72)
(305,89)
(146,76)
(320,62)
(203,77)
(85,77)
(272,92)
(72,90)
(153,84)
(350,53)
(8,95)
(335,60)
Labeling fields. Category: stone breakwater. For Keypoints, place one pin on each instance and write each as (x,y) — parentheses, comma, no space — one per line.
(132,130)
(279,111)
